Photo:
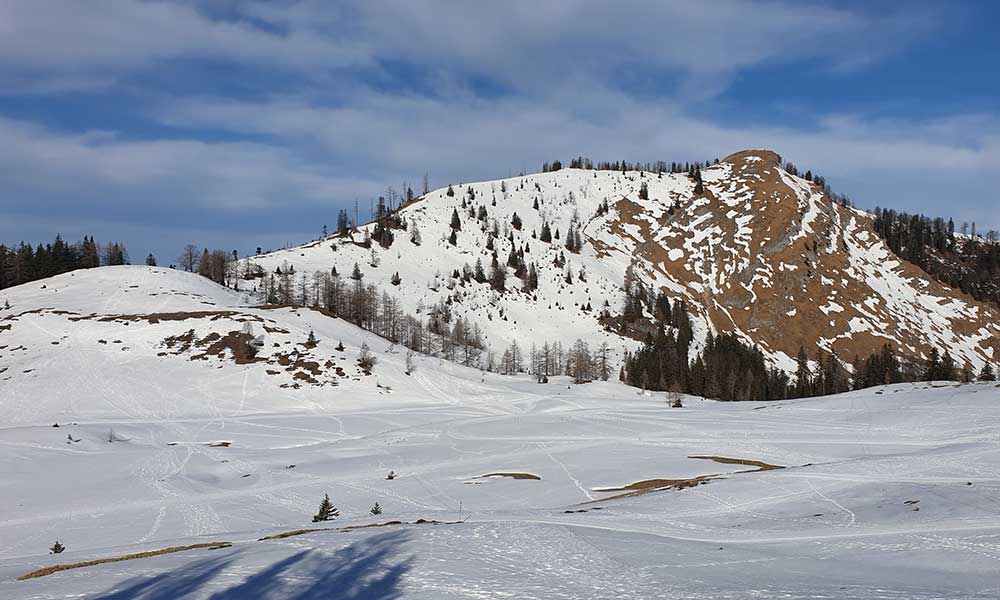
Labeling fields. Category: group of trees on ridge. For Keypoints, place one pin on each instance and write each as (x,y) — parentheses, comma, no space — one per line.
(968,262)
(25,263)
(623,165)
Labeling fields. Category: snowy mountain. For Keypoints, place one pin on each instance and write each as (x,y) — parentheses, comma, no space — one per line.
(758,253)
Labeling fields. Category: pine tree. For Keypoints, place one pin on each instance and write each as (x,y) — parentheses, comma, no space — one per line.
(456,223)
(453,238)
(395,280)
(376,510)
(56,548)
(311,340)
(515,222)
(803,382)
(327,511)
(987,374)
(150,260)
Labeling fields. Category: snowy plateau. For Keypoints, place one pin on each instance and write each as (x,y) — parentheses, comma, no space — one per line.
(503,488)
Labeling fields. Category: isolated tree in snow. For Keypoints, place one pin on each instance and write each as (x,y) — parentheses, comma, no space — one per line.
(546,235)
(376,510)
(987,373)
(410,362)
(356,273)
(515,222)
(327,511)
(150,260)
(395,280)
(453,238)
(56,548)
(643,191)
(311,340)
(188,259)
(479,274)
(366,360)
(456,223)
(450,191)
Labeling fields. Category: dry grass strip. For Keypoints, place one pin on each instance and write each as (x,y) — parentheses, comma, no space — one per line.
(511,475)
(101,561)
(761,466)
(294,532)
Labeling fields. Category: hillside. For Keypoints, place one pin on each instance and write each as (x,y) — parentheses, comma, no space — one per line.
(150,343)
(760,254)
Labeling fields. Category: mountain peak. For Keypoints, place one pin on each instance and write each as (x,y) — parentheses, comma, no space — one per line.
(766,157)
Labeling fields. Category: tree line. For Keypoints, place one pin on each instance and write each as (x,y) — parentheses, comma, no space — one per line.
(26,263)
(968,262)
(623,165)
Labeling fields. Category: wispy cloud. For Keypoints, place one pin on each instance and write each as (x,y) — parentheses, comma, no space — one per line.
(323,103)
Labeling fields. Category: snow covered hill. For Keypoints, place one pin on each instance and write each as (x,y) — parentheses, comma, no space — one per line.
(150,343)
(170,436)
(760,253)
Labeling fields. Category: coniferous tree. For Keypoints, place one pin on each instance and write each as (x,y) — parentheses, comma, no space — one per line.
(327,511)
(803,375)
(987,373)
(376,510)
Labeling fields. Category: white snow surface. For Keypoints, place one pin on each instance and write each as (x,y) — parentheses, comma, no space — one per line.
(886,493)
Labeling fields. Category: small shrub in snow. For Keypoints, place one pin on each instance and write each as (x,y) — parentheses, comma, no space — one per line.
(56,548)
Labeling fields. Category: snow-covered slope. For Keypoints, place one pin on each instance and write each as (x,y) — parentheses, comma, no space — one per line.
(149,343)
(883,493)
(762,254)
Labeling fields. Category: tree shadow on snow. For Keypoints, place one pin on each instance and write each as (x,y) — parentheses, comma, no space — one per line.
(369,569)
(172,584)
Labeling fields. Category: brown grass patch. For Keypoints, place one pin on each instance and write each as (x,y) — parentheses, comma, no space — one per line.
(640,488)
(647,486)
(292,533)
(171,316)
(295,532)
(761,466)
(237,342)
(511,475)
(101,561)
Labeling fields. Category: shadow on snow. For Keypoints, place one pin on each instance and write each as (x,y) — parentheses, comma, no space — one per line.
(368,569)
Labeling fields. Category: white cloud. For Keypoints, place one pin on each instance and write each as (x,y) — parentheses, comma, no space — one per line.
(63,169)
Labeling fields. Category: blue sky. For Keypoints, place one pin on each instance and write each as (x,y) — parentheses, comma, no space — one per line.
(237,124)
